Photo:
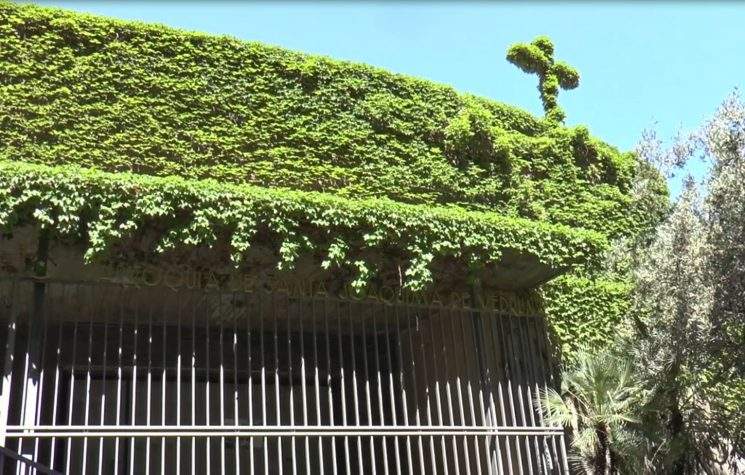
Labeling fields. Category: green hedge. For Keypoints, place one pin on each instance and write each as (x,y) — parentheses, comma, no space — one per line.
(124,96)
(105,209)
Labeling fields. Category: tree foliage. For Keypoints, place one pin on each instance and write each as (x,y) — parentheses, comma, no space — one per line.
(688,334)
(671,307)
(598,402)
(683,328)
(723,142)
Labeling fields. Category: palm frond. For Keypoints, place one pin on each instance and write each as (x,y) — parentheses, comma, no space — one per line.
(599,395)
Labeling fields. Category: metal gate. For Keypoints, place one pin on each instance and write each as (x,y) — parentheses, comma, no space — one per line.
(103,378)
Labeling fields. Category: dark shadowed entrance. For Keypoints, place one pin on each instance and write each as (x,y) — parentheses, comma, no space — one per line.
(103,378)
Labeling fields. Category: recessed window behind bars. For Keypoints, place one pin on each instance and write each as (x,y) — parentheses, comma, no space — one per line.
(151,380)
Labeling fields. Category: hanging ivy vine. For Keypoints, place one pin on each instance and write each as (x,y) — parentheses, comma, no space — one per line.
(104,209)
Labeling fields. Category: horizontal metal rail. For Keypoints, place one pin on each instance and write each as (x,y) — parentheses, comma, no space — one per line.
(175,431)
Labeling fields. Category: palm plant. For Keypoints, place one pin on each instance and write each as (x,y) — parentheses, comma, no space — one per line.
(598,402)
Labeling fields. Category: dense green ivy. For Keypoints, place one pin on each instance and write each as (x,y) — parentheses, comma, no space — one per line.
(105,209)
(377,159)
(585,312)
(123,96)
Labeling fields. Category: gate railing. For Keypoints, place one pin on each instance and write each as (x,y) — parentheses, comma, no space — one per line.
(103,378)
(19,464)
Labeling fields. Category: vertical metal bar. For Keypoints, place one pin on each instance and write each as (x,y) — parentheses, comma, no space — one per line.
(91,316)
(35,340)
(179,338)
(249,368)
(41,364)
(163,389)
(221,315)
(417,401)
(427,390)
(357,414)
(532,394)
(332,421)
(448,393)
(119,355)
(303,390)
(71,393)
(276,382)
(394,418)
(402,384)
(485,385)
(263,389)
(135,356)
(538,375)
(470,366)
(511,390)
(368,397)
(487,321)
(545,370)
(193,455)
(57,375)
(316,384)
(149,383)
(208,395)
(24,417)
(236,411)
(436,373)
(342,383)
(104,377)
(31,370)
(491,362)
(519,366)
(496,352)
(379,378)
(34,343)
(459,371)
(293,442)
(529,382)
(500,346)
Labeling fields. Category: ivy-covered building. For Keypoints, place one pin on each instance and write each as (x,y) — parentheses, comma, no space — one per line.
(222,256)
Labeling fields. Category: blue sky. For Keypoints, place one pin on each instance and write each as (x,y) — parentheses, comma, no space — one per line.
(658,64)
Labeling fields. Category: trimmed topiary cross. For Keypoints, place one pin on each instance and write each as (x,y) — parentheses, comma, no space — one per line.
(538,58)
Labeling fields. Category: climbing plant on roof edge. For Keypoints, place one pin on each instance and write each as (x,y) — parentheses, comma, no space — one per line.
(99,95)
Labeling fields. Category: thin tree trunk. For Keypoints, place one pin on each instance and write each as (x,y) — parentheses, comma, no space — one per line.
(608,463)
(602,465)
